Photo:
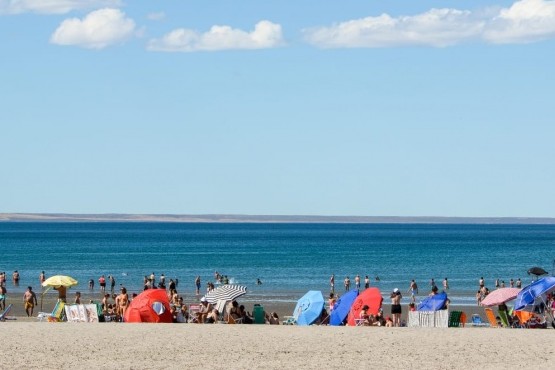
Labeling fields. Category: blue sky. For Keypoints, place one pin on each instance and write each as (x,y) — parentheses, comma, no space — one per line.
(378,108)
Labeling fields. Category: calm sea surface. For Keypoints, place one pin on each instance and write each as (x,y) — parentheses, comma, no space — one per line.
(288,258)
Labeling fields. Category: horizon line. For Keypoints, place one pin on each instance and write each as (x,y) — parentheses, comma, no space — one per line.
(247,218)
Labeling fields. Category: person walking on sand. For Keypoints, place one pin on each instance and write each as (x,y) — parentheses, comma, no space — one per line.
(332,283)
(29,301)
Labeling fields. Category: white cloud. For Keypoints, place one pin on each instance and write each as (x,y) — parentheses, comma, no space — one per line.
(97,30)
(524,21)
(265,35)
(52,6)
(158,16)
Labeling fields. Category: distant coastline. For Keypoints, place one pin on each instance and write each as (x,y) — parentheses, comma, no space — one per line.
(223,218)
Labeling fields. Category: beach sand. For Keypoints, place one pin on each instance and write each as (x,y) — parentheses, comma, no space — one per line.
(166,346)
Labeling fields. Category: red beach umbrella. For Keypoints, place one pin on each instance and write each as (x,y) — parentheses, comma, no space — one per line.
(500,296)
(371,297)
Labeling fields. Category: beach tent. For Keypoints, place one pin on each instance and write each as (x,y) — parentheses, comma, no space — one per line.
(152,305)
(342,307)
(433,303)
(309,308)
(372,297)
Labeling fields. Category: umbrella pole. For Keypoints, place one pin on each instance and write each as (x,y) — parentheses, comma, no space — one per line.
(41,297)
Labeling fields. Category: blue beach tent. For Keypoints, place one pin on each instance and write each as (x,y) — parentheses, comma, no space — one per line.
(342,307)
(433,303)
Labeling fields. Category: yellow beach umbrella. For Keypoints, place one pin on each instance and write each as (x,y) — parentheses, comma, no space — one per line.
(59,280)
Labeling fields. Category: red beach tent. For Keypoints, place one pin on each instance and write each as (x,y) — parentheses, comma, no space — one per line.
(152,305)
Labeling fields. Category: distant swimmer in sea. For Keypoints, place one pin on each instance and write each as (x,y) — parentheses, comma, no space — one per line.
(258,282)
(377,278)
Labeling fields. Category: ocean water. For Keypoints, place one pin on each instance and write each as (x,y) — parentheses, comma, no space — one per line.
(289,259)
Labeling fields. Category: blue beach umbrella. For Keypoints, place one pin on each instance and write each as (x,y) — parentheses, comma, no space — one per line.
(534,294)
(309,308)
(433,303)
(342,307)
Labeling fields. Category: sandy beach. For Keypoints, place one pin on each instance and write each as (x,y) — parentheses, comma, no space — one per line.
(164,346)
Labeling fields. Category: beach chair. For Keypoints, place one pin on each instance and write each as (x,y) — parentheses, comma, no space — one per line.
(524,318)
(360,322)
(193,310)
(289,320)
(491,318)
(258,314)
(477,320)
(454,319)
(504,319)
(463,319)
(5,313)
(221,307)
(57,315)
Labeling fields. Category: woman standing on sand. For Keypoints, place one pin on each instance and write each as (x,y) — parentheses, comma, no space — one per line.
(396,307)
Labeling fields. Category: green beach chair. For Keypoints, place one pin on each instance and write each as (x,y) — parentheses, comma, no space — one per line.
(258,314)
(504,318)
(455,319)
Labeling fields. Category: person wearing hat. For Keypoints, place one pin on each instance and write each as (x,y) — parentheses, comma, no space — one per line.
(396,307)
(205,309)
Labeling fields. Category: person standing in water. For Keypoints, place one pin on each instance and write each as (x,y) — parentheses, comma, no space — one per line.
(332,283)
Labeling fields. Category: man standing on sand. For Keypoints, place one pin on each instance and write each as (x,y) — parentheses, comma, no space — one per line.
(61,293)
(30,301)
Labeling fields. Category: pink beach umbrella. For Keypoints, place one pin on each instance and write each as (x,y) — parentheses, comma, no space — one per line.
(500,296)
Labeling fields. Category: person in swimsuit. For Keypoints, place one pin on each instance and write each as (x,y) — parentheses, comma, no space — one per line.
(332,283)
(347,283)
(42,277)
(15,277)
(102,282)
(413,290)
(122,302)
(3,292)
(62,290)
(77,298)
(396,307)
(357,282)
(30,301)
(366,282)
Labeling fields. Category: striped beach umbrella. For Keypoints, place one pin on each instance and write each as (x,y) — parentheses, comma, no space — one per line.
(226,293)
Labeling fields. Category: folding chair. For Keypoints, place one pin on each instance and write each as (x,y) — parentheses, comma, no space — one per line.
(491,318)
(56,315)
(5,313)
